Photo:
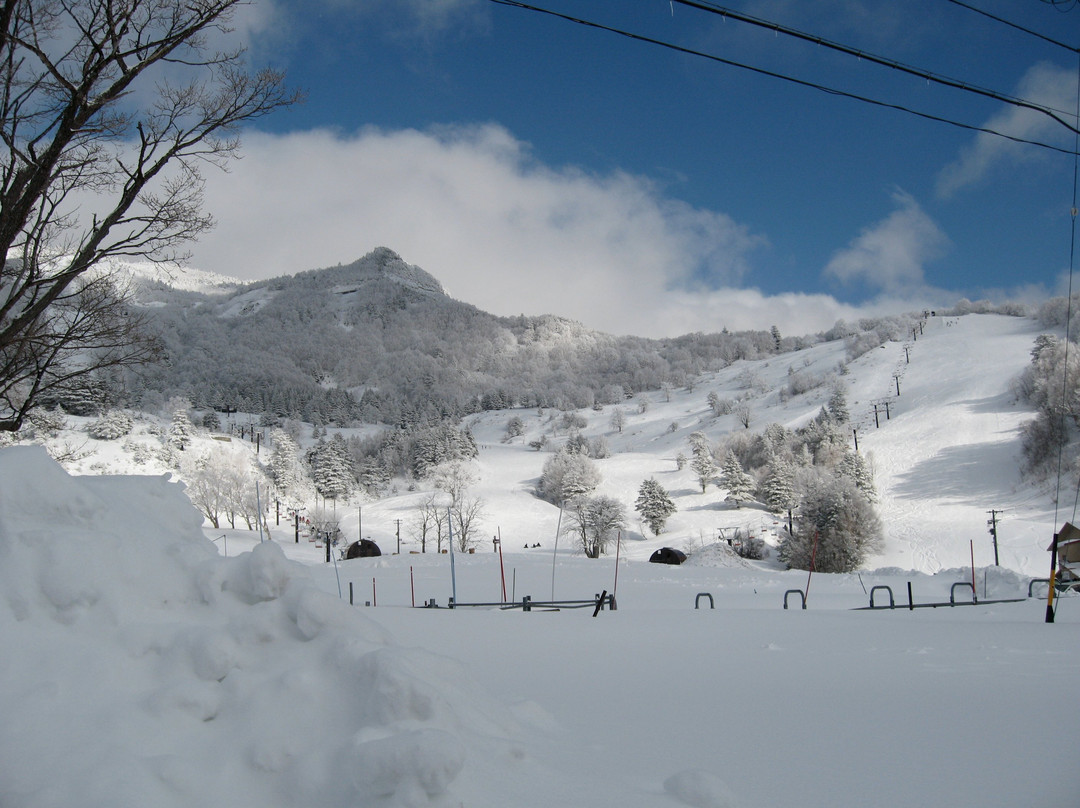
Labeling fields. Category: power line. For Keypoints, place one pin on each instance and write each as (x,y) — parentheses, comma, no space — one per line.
(1011,24)
(792,79)
(956,84)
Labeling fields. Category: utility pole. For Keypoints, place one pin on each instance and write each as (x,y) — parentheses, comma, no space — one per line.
(896,378)
(992,524)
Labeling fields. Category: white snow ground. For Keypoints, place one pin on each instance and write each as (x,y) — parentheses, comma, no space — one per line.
(142,668)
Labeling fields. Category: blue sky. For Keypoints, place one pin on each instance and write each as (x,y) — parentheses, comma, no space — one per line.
(535,165)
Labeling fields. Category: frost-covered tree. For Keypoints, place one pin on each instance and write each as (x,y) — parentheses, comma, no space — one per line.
(595,521)
(222,484)
(701,460)
(566,477)
(180,430)
(739,484)
(331,468)
(515,428)
(111,426)
(284,461)
(837,406)
(618,419)
(433,446)
(744,414)
(837,519)
(714,402)
(778,490)
(1052,384)
(374,476)
(654,505)
(241,480)
(854,467)
(454,479)
(206,491)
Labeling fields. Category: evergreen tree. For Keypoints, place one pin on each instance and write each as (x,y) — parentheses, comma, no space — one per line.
(114,424)
(778,489)
(654,505)
(374,476)
(180,431)
(331,468)
(701,463)
(855,468)
(284,462)
(738,483)
(837,406)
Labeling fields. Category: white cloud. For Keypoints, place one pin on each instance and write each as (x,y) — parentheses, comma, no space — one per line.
(499,230)
(1043,84)
(891,254)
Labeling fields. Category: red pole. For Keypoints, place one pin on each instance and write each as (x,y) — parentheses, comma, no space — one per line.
(618,546)
(374,600)
(412,587)
(813,555)
(502,572)
(974,594)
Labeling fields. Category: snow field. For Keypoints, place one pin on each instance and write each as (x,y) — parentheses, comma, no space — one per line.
(143,668)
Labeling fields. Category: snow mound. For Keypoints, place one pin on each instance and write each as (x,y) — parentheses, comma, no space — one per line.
(215,681)
(718,554)
(699,789)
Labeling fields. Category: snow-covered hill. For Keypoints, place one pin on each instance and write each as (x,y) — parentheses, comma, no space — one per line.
(945,456)
(142,668)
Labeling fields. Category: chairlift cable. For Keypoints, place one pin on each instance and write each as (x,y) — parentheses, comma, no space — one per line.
(1051,609)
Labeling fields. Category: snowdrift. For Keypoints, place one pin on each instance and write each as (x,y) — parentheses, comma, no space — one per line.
(140,668)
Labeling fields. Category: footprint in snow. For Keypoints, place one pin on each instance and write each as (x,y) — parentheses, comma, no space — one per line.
(700,789)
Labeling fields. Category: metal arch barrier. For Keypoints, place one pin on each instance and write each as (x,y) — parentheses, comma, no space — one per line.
(952,592)
(800,593)
(700,595)
(1034,581)
(873,589)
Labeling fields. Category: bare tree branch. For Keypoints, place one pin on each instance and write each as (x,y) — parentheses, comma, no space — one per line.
(115,100)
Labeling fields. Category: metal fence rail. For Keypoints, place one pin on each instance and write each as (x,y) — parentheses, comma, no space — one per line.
(527,604)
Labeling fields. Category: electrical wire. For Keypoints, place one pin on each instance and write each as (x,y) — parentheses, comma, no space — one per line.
(935,78)
(790,79)
(1011,24)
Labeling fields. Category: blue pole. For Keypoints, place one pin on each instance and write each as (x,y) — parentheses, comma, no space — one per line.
(453,571)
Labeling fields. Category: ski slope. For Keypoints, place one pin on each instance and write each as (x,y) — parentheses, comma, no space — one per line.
(150,660)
